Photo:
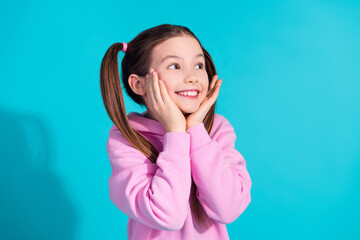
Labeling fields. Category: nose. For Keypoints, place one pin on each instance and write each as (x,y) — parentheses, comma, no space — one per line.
(191,77)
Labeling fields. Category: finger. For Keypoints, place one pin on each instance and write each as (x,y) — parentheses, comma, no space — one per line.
(212,84)
(211,97)
(155,85)
(215,91)
(213,81)
(164,93)
(216,77)
(212,90)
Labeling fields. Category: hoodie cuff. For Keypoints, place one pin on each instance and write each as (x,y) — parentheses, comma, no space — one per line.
(199,137)
(177,142)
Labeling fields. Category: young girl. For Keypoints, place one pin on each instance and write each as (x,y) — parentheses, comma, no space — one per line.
(175,170)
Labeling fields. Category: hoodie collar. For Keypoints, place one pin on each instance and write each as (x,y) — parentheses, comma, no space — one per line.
(143,124)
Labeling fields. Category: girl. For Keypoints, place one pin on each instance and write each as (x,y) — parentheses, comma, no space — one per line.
(175,170)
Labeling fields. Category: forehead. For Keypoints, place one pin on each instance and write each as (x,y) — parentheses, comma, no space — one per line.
(185,47)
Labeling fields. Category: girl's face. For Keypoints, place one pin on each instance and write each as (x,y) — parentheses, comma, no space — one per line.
(180,63)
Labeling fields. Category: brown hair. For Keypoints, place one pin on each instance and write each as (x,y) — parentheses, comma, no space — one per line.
(137,61)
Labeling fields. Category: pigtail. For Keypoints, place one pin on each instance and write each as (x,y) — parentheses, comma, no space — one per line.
(114,102)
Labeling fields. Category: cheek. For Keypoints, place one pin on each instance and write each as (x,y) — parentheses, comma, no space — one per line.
(166,78)
(168,85)
(205,80)
(207,84)
(205,94)
(163,77)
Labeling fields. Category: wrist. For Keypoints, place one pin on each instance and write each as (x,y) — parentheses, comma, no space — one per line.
(176,130)
(190,124)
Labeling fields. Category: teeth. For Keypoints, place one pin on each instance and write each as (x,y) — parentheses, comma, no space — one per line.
(188,93)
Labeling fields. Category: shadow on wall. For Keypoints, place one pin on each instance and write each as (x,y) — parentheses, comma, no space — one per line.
(33,201)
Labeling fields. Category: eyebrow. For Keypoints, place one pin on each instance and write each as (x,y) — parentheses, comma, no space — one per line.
(174,56)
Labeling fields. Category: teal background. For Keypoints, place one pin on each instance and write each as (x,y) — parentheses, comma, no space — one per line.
(291,84)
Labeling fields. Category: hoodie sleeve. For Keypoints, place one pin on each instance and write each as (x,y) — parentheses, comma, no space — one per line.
(219,172)
(155,195)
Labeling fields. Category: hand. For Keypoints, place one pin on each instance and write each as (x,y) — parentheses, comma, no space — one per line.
(161,106)
(198,116)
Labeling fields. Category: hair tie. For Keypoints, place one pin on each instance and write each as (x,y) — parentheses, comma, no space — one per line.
(124,46)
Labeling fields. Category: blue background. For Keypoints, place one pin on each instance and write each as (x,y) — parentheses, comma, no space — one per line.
(291,82)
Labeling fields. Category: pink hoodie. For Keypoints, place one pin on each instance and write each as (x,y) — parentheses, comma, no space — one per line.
(156,197)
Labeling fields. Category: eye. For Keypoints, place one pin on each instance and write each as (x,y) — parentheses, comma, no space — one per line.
(174,64)
(201,65)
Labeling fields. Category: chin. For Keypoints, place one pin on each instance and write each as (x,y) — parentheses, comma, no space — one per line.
(188,111)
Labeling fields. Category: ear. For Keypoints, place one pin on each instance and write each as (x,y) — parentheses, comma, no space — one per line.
(137,84)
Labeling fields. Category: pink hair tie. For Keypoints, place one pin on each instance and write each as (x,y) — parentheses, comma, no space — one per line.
(124,46)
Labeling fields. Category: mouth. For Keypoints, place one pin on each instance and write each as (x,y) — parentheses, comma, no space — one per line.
(192,94)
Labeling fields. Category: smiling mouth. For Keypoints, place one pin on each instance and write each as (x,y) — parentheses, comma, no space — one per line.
(188,93)
(189,96)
